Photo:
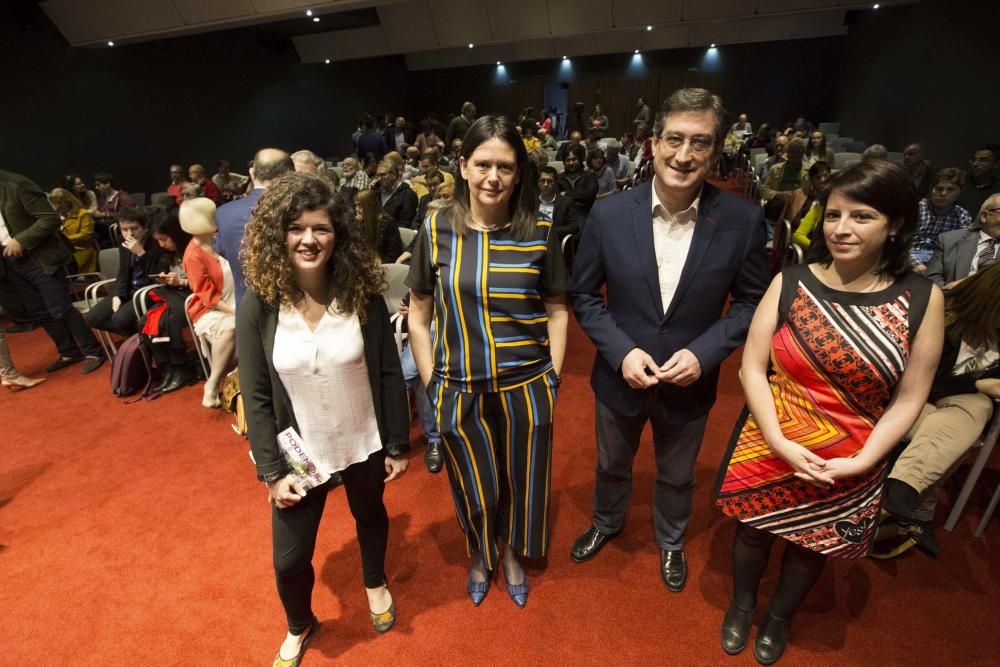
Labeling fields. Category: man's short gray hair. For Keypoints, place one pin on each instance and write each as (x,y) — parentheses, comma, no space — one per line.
(688,100)
(306,155)
(993,201)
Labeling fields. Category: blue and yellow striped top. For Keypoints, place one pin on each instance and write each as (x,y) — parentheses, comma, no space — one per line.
(490,323)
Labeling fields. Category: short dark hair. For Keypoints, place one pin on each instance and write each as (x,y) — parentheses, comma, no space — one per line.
(688,100)
(594,153)
(579,150)
(104,177)
(888,189)
(551,171)
(953,174)
(817,167)
(133,214)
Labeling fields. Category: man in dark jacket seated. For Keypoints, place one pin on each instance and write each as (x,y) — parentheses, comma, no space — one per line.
(566,218)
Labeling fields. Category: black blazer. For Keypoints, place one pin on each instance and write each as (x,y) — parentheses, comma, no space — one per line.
(724,277)
(30,219)
(389,134)
(268,408)
(402,205)
(567,218)
(152,261)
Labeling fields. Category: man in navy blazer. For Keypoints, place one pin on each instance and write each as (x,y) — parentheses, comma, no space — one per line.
(232,218)
(672,253)
(961,252)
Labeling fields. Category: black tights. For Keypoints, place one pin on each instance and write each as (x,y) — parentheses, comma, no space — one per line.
(800,568)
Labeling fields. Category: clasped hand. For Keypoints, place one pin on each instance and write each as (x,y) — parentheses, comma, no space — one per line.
(641,372)
(814,469)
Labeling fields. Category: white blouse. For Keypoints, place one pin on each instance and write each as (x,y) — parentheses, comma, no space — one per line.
(326,377)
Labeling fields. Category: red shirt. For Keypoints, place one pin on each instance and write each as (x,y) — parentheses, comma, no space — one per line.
(211,190)
(174,189)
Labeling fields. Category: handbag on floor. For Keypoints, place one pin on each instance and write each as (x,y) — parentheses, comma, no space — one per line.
(132,369)
(232,400)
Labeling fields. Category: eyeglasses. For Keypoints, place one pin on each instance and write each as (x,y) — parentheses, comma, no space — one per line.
(698,143)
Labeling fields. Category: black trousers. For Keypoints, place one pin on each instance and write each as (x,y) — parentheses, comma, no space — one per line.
(46,300)
(293,536)
(123,321)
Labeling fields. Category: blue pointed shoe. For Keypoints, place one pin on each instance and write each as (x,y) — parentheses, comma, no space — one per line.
(519,592)
(478,590)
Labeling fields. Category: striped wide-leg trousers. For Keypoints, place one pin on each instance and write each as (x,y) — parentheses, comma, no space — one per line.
(499,461)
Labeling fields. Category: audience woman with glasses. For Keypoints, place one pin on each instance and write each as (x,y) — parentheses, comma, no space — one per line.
(491,276)
(836,369)
(317,354)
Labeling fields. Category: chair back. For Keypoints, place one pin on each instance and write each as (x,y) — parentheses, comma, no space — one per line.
(893,156)
(557,165)
(407,234)
(829,128)
(138,197)
(840,160)
(107,263)
(395,276)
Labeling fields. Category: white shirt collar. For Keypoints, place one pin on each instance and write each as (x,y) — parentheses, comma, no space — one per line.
(690,213)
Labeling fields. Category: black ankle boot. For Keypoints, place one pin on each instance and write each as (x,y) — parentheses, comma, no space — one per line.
(166,374)
(736,628)
(180,378)
(772,638)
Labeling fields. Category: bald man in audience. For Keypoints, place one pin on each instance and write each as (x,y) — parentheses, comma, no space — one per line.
(269,164)
(916,165)
(198,175)
(963,252)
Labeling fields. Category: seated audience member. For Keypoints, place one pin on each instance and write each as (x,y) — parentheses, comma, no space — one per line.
(938,214)
(630,147)
(442,195)
(398,200)
(191,191)
(784,178)
(547,140)
(370,166)
(602,172)
(428,138)
(379,229)
(803,125)
(199,175)
(177,181)
(110,200)
(411,163)
(566,217)
(574,138)
(620,165)
(730,151)
(804,199)
(399,135)
(598,121)
(459,125)
(429,165)
(354,176)
(817,150)
(33,287)
(138,258)
(742,128)
(576,182)
(455,154)
(963,252)
(960,404)
(762,139)
(539,158)
(232,186)
(307,162)
(213,308)
(875,152)
(916,165)
(87,197)
(531,142)
(431,183)
(778,148)
(370,141)
(982,181)
(10,377)
(165,322)
(78,227)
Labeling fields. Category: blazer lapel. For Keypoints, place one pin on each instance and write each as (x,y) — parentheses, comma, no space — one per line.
(965,251)
(642,225)
(704,230)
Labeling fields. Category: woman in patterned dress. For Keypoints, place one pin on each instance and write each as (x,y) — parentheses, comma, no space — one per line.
(853,339)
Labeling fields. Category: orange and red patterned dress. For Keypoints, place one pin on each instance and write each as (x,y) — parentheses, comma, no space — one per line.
(836,359)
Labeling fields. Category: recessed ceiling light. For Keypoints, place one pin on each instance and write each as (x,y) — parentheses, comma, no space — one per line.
(315,19)
(327,61)
(471,45)
(636,51)
(875,6)
(111,43)
(499,63)
(648,28)
(712,45)
(565,58)
(309,12)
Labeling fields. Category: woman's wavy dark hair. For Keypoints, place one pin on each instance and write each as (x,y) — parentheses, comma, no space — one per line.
(165,221)
(523,200)
(972,309)
(354,270)
(887,188)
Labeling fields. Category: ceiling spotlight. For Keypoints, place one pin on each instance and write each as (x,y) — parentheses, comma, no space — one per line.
(471,45)
(327,61)
(309,12)
(499,63)
(648,28)
(565,58)
(315,19)
(111,43)
(712,45)
(636,52)
(875,6)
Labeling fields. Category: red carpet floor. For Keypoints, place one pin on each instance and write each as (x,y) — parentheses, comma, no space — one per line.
(137,535)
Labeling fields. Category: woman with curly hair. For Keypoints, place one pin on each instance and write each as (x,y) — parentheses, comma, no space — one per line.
(313,333)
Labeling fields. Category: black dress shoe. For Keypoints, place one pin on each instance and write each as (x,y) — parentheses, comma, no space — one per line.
(179,378)
(433,457)
(61,363)
(673,569)
(92,364)
(772,638)
(736,628)
(21,328)
(588,544)
(166,374)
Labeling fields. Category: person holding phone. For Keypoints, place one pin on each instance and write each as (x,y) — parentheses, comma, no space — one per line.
(313,325)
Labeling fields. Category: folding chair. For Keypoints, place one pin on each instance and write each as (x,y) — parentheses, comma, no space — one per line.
(407,234)
(985,446)
(200,344)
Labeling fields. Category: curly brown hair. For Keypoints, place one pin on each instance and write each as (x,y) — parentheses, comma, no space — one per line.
(355,273)
(972,308)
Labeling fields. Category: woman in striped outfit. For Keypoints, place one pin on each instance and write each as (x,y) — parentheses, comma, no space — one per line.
(490,275)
